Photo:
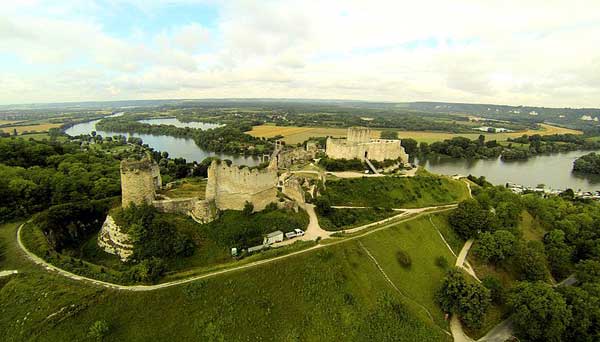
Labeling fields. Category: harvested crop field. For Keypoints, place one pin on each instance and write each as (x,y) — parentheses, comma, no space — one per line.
(295,134)
(30,128)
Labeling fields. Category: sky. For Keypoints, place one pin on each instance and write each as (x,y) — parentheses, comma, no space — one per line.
(525,52)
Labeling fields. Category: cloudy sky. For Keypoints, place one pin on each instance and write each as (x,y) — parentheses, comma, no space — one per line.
(530,52)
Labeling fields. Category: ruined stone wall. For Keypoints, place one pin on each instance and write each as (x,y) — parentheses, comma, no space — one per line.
(292,188)
(204,211)
(287,158)
(230,187)
(176,206)
(385,149)
(358,135)
(138,181)
(340,149)
(112,240)
(375,150)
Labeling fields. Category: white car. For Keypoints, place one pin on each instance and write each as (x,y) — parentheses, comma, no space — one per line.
(299,232)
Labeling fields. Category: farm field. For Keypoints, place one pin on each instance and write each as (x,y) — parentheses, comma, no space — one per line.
(294,134)
(323,295)
(30,128)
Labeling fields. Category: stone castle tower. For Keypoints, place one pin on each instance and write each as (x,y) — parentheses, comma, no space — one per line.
(139,181)
(358,135)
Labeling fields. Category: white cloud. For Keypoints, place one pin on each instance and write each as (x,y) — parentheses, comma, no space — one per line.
(534,52)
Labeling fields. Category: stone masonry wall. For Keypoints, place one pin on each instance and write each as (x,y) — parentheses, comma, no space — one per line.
(230,187)
(138,182)
(374,150)
(358,135)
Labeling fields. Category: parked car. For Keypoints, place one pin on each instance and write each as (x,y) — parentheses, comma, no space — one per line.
(299,232)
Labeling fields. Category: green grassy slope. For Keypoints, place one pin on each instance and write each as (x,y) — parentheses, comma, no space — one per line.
(334,293)
(395,192)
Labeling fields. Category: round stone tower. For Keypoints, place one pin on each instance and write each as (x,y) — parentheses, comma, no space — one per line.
(359,135)
(139,180)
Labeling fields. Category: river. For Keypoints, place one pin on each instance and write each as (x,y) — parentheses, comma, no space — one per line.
(176,147)
(552,170)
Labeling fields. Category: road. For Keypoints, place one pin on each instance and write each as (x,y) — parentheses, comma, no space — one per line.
(310,209)
(7,273)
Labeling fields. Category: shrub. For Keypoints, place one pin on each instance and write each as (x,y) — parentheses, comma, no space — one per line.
(403,259)
(495,287)
(99,330)
(248,209)
(442,262)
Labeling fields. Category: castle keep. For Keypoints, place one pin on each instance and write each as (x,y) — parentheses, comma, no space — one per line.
(229,187)
(358,144)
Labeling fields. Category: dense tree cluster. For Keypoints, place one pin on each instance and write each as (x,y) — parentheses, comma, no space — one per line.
(37,175)
(341,164)
(461,147)
(67,225)
(589,163)
(517,148)
(153,235)
(570,246)
(230,138)
(468,299)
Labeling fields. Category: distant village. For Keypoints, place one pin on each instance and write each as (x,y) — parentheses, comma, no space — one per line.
(521,189)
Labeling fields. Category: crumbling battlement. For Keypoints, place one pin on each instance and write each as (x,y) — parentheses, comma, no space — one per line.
(139,181)
(230,187)
(359,145)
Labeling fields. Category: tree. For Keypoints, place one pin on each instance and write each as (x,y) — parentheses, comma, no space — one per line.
(559,254)
(496,290)
(539,312)
(424,148)
(248,209)
(389,135)
(323,206)
(585,308)
(410,145)
(470,218)
(495,247)
(470,300)
(588,271)
(99,330)
(530,262)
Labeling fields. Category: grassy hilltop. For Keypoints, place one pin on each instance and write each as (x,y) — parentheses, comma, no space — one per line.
(332,293)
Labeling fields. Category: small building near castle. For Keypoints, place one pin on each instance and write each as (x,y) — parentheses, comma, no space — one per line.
(359,145)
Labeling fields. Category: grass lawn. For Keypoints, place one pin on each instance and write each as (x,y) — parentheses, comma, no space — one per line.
(440,222)
(530,227)
(329,294)
(188,187)
(295,134)
(396,192)
(422,243)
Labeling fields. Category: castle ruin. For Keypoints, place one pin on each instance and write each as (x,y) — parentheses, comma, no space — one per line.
(228,187)
(359,145)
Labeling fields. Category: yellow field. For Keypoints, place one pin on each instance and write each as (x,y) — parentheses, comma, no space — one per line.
(30,128)
(294,134)
(8,122)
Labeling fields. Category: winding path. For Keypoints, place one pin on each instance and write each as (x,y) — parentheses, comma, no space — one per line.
(310,209)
